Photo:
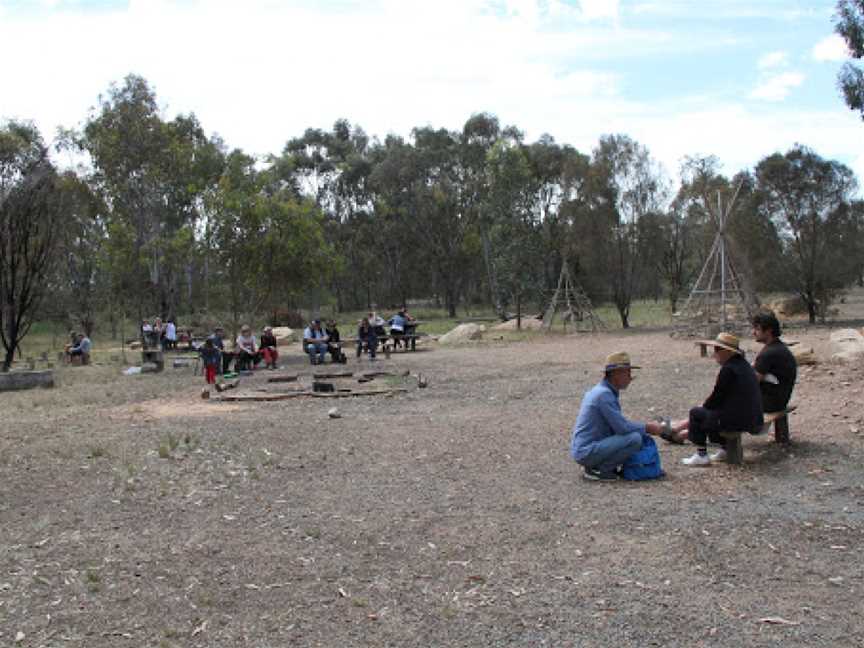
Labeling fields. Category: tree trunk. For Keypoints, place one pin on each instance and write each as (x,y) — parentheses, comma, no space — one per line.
(519,311)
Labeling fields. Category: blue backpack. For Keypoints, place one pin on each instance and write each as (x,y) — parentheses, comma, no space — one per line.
(644,463)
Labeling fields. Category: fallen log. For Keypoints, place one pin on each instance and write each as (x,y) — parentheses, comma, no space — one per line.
(365,392)
(338,374)
(278,397)
(280,379)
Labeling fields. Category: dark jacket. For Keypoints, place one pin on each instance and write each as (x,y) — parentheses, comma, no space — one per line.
(737,396)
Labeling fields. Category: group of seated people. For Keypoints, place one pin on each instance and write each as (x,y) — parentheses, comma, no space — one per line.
(247,354)
(159,334)
(602,439)
(403,329)
(320,340)
(78,349)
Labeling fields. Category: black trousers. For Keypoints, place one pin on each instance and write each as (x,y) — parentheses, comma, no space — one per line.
(704,424)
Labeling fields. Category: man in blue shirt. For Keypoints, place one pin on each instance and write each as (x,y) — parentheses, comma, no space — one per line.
(602,438)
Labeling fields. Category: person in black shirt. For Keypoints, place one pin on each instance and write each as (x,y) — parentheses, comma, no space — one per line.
(334,342)
(735,404)
(776,367)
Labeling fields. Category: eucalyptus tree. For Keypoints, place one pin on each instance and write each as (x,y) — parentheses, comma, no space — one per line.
(849,24)
(631,186)
(560,173)
(517,242)
(152,175)
(809,200)
(32,209)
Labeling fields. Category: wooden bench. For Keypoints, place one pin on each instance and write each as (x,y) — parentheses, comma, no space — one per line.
(780,421)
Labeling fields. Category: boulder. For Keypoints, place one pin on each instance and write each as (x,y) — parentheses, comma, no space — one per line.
(788,306)
(463,334)
(284,335)
(804,355)
(847,345)
(528,324)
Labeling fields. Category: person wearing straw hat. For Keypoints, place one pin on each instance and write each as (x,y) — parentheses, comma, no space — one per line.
(602,439)
(735,403)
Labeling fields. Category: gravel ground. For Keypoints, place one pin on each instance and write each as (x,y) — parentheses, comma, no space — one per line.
(133,513)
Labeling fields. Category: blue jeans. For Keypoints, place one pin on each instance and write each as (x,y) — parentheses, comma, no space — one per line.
(320,348)
(611,452)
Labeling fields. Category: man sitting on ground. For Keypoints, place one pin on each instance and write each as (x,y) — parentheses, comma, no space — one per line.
(776,367)
(315,342)
(268,348)
(602,439)
(246,349)
(734,405)
(81,349)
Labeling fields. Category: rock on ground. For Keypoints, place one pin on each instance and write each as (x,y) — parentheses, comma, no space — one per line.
(528,324)
(462,334)
(847,345)
(284,334)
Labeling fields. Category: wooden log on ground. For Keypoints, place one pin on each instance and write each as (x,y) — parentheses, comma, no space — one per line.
(279,397)
(365,392)
(260,397)
(283,379)
(337,374)
(15,380)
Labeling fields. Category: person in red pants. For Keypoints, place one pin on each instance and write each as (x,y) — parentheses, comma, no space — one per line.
(210,354)
(268,348)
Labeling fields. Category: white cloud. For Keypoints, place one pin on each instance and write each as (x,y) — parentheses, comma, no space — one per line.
(773,60)
(599,9)
(778,87)
(262,73)
(831,48)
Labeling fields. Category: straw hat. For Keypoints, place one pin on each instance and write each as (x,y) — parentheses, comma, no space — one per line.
(724,341)
(620,360)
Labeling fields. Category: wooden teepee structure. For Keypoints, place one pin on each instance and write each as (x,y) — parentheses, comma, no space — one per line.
(721,297)
(573,302)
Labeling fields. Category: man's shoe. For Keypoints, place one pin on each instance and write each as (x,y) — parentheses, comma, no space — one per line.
(720,455)
(592,474)
(697,460)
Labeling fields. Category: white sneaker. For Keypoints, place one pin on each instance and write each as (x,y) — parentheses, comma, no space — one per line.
(720,455)
(697,460)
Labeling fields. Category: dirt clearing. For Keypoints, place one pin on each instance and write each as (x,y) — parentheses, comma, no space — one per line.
(135,514)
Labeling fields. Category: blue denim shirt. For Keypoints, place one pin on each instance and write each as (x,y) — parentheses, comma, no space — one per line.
(599,417)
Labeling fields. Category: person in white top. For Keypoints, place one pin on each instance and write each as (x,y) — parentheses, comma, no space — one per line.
(170,335)
(246,349)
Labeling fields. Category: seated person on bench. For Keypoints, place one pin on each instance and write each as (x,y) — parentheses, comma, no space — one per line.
(735,404)
(367,338)
(315,342)
(81,349)
(246,349)
(268,348)
(377,323)
(397,328)
(776,367)
(334,342)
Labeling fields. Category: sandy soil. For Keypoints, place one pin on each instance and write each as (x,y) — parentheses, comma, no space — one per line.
(135,514)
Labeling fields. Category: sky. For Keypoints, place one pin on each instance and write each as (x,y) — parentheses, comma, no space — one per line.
(738,79)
